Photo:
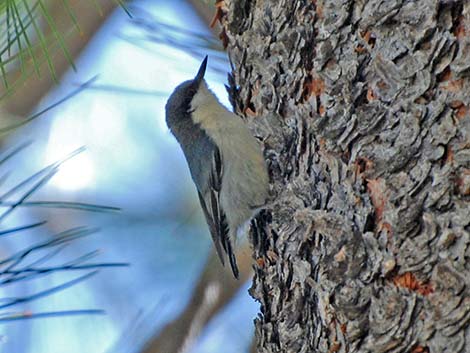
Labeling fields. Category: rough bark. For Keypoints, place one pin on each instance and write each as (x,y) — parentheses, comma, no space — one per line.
(363,108)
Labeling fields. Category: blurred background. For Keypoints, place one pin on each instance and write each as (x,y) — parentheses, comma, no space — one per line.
(111,66)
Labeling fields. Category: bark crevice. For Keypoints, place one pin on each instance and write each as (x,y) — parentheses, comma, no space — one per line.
(363,109)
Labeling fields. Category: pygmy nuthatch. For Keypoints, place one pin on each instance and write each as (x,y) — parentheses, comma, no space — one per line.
(225,161)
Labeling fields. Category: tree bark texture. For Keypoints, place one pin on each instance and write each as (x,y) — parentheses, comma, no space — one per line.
(363,109)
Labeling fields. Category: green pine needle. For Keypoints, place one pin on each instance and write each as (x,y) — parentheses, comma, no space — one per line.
(23,25)
(23,40)
(41,39)
(72,16)
(58,36)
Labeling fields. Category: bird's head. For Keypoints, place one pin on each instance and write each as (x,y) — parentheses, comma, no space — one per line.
(178,105)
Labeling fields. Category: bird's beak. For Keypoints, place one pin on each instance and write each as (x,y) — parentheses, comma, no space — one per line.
(201,72)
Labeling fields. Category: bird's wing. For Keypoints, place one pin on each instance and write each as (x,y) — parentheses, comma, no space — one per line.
(215,216)
(206,166)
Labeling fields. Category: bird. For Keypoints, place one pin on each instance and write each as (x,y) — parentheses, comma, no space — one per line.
(225,160)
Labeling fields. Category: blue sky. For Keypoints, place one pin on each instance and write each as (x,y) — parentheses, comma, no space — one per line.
(133,162)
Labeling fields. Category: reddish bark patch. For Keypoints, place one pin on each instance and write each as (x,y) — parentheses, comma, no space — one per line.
(335,347)
(456,104)
(369,38)
(318,9)
(250,112)
(454,85)
(420,349)
(445,75)
(449,155)
(360,49)
(371,96)
(460,31)
(361,164)
(463,183)
(387,227)
(219,13)
(379,197)
(313,86)
(409,280)
(460,109)
(461,112)
(223,38)
(382,84)
(447,83)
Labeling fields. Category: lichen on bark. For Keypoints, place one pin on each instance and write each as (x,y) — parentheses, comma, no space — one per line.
(363,110)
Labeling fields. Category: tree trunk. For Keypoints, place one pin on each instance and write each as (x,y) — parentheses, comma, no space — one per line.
(363,108)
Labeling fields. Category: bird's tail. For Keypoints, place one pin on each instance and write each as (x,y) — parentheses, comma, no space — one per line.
(228,248)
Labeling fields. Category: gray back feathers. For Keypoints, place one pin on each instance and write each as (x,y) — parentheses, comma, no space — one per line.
(225,161)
